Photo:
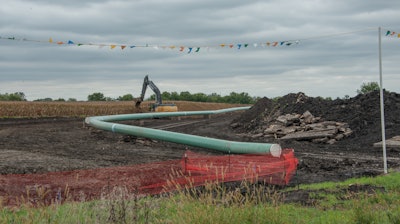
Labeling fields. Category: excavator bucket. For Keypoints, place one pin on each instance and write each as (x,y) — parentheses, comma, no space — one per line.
(137,101)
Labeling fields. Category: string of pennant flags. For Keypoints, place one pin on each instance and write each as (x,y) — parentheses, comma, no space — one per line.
(392,34)
(181,48)
(188,49)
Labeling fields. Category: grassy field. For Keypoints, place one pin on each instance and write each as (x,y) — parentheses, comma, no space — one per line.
(379,202)
(12,109)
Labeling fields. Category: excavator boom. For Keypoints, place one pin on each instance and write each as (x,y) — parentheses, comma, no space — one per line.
(144,88)
(158,106)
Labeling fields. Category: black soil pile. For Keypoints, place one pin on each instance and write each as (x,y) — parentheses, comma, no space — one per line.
(361,112)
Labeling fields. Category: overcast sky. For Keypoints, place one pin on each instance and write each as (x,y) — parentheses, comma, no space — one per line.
(332,48)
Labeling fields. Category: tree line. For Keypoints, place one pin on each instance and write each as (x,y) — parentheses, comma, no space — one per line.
(233,97)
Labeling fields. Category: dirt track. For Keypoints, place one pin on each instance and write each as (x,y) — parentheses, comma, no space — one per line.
(61,144)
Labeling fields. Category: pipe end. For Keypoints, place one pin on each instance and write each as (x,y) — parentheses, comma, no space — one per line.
(275,150)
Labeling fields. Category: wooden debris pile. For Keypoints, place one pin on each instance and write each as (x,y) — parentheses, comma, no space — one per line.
(306,127)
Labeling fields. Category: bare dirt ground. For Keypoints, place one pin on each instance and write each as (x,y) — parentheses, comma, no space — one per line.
(46,146)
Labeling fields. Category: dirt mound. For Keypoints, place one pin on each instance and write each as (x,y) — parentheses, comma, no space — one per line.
(361,113)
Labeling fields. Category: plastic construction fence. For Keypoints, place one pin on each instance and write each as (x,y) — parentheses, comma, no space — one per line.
(198,169)
(191,170)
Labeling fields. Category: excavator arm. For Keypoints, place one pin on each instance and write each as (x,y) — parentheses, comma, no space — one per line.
(158,106)
(146,83)
(156,91)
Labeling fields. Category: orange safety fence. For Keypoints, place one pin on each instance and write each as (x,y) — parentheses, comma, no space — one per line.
(191,170)
(199,169)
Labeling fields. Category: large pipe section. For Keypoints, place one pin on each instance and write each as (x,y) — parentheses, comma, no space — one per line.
(105,123)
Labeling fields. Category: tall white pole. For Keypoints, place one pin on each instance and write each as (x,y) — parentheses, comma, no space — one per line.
(385,169)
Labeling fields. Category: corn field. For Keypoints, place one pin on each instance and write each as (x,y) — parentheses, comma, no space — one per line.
(16,109)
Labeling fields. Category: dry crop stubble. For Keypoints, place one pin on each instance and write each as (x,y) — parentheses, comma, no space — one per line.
(15,109)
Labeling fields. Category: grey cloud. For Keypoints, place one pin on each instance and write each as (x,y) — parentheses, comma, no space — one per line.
(345,59)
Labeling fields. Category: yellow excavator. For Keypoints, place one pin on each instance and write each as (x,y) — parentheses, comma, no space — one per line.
(158,106)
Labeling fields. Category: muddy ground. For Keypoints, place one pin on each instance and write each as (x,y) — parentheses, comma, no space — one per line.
(63,144)
(43,145)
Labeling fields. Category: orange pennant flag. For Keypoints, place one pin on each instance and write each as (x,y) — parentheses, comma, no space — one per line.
(113,46)
(231,45)
(60,42)
(182,48)
(123,47)
(275,43)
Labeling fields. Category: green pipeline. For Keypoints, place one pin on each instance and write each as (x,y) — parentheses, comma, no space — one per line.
(105,123)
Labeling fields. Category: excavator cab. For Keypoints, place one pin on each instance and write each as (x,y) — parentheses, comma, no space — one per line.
(158,106)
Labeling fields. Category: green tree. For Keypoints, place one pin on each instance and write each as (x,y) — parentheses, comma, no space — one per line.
(152,97)
(368,87)
(47,99)
(96,97)
(242,98)
(17,96)
(215,98)
(126,97)
(174,96)
(186,96)
(165,96)
(199,97)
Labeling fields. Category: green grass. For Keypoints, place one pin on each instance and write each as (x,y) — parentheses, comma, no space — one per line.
(332,203)
(390,182)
